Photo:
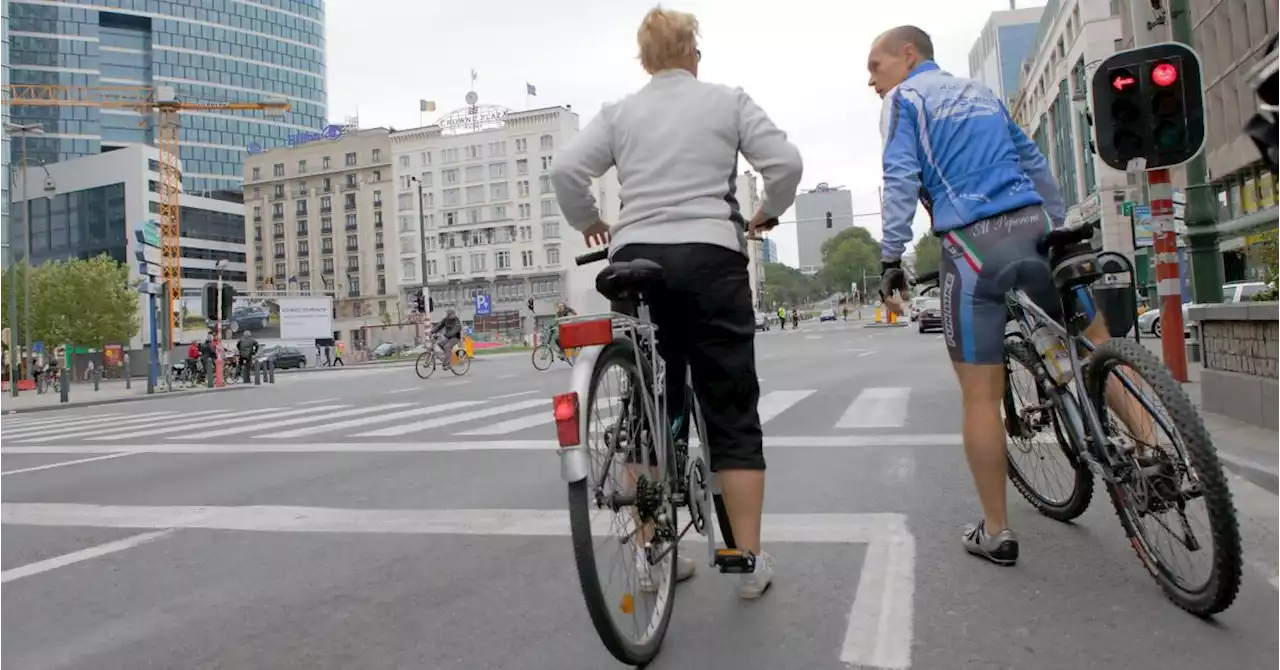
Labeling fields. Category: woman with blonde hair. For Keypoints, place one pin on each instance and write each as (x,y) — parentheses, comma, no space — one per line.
(675,144)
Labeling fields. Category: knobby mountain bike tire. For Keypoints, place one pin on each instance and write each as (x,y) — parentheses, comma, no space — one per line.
(620,353)
(1064,508)
(1223,583)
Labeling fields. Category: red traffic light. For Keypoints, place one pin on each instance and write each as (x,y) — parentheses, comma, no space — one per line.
(1164,74)
(1121,82)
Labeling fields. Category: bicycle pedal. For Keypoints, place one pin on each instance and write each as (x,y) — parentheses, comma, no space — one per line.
(735,561)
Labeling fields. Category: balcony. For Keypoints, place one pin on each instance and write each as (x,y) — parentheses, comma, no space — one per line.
(350,207)
(327,272)
(348,186)
(302,193)
(278,235)
(277,216)
(326,210)
(257,218)
(300,212)
(378,245)
(352,226)
(278,255)
(326,250)
(377,203)
(277,195)
(377,224)
(353,247)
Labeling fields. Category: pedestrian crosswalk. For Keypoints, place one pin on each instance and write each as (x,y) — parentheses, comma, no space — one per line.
(523,414)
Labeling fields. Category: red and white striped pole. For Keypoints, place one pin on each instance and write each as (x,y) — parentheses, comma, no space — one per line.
(1168,283)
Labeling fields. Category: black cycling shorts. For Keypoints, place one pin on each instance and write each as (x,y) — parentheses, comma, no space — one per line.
(706,320)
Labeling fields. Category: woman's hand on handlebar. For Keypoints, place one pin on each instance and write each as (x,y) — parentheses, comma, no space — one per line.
(760,223)
(597,234)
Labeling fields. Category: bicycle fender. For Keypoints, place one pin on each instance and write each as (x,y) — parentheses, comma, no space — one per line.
(575,463)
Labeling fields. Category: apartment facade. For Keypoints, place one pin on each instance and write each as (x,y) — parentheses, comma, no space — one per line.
(1005,41)
(1052,106)
(319,220)
(488,215)
(821,214)
(747,192)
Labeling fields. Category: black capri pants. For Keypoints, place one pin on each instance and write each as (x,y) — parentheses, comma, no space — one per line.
(706,320)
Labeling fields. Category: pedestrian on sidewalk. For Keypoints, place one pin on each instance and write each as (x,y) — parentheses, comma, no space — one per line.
(340,348)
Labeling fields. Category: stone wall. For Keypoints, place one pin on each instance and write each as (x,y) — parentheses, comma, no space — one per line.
(1240,343)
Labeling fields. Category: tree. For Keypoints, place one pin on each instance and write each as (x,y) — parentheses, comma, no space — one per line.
(85,302)
(785,285)
(847,258)
(928,255)
(1262,250)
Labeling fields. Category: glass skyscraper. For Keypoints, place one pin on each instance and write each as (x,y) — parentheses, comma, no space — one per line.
(208,50)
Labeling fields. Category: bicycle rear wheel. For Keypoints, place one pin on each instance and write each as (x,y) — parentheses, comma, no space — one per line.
(461,362)
(425,365)
(619,492)
(1045,467)
(542,357)
(1160,484)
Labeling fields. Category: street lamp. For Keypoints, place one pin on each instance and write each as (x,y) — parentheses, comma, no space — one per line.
(22,130)
(425,317)
(219,266)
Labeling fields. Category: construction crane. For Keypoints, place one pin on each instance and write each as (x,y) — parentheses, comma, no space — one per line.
(168,108)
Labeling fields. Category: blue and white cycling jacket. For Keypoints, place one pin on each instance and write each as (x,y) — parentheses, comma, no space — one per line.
(950,142)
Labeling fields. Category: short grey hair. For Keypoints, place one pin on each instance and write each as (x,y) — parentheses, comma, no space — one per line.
(895,38)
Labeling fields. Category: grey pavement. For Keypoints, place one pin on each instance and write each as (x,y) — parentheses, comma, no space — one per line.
(365,518)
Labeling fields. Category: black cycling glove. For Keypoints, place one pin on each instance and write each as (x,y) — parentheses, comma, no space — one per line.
(892,278)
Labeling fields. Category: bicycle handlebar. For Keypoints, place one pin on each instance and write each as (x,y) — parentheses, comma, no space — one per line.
(926,278)
(592,256)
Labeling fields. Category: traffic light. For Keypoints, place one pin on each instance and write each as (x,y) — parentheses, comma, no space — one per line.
(211,300)
(1148,104)
(828,219)
(419,302)
(530,303)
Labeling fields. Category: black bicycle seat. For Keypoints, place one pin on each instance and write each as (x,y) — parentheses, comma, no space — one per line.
(624,280)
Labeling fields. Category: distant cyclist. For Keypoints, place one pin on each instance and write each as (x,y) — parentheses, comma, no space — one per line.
(950,142)
(675,144)
(450,333)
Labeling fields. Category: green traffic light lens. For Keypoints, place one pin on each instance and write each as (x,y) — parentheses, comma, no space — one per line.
(1169,136)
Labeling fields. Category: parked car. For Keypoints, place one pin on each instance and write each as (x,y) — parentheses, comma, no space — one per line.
(1149,321)
(827,315)
(913,307)
(283,356)
(387,349)
(762,321)
(929,316)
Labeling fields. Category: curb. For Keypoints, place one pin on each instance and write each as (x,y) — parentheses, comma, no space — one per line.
(117,401)
(1255,473)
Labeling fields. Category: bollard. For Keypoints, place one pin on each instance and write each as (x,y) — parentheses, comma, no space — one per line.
(271,370)
(244,368)
(257,372)
(64,386)
(97,377)
(128,373)
(208,374)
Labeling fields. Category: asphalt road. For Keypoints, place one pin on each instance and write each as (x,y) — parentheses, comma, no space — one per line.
(364,518)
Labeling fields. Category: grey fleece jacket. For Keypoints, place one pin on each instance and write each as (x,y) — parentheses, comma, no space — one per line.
(675,143)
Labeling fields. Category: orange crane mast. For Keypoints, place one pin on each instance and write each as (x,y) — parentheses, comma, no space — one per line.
(168,109)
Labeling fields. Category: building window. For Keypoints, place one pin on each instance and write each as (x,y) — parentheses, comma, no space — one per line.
(498,191)
(326,244)
(474,173)
(497,170)
(351,159)
(546,163)
(353,241)
(304,286)
(522,188)
(475,194)
(450,218)
(426,179)
(553,255)
(304,267)
(351,222)
(408,269)
(304,248)
(257,174)
(279,248)
(544,184)
(278,169)
(478,262)
(431,268)
(549,208)
(546,143)
(522,145)
(326,266)
(473,215)
(455,265)
(377,155)
(449,176)
(498,213)
(354,289)
(326,203)
(425,157)
(498,148)
(353,262)
(526,259)
(451,196)
(326,225)
(302,227)
(404,161)
(551,229)
(502,260)
(526,210)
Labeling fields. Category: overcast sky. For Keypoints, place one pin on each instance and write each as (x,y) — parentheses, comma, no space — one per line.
(804,61)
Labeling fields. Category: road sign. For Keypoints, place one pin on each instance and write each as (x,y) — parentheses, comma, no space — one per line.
(148,233)
(149,269)
(483,306)
(147,255)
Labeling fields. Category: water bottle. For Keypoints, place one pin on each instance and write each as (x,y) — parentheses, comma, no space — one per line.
(1057,360)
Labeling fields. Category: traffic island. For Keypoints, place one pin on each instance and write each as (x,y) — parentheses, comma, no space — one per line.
(886,318)
(1240,373)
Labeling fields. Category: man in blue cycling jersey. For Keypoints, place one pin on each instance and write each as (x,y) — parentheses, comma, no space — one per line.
(950,143)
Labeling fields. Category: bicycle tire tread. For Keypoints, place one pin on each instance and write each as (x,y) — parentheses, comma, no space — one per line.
(1082,494)
(1224,586)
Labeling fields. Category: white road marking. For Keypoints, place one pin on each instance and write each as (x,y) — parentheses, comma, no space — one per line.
(252,417)
(937,337)
(513,425)
(879,631)
(82,555)
(50,466)
(813,337)
(796,442)
(317,402)
(776,402)
(507,376)
(512,395)
(327,410)
(428,424)
(408,390)
(865,353)
(44,420)
(458,382)
(133,422)
(64,423)
(380,418)
(877,407)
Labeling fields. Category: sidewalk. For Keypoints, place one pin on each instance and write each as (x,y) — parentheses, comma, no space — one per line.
(1248,450)
(108,393)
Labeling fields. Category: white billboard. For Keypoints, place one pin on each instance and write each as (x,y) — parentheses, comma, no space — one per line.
(305,318)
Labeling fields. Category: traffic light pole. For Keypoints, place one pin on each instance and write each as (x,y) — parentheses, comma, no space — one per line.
(1168,285)
(217,339)
(1199,213)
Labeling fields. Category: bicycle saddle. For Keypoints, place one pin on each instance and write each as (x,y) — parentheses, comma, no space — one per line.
(624,280)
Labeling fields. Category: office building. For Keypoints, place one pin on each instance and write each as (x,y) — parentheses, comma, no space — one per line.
(820,215)
(1052,106)
(208,50)
(1006,40)
(769,251)
(747,193)
(489,217)
(95,204)
(4,136)
(318,219)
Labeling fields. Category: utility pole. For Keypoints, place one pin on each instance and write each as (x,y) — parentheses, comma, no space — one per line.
(1199,213)
(13,296)
(22,131)
(425,316)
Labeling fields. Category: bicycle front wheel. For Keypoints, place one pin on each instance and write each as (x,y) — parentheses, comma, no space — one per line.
(425,366)
(1160,486)
(542,357)
(621,517)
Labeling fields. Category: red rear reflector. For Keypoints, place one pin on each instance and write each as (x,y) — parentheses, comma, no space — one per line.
(586,333)
(565,407)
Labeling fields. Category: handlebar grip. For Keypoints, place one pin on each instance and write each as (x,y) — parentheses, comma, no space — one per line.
(592,256)
(926,278)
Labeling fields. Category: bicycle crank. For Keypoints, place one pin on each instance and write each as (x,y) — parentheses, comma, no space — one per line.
(698,494)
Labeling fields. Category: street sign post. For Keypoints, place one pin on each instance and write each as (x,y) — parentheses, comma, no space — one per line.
(483,306)
(147,254)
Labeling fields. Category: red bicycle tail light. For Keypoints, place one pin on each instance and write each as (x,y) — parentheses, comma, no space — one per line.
(565,408)
(586,333)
